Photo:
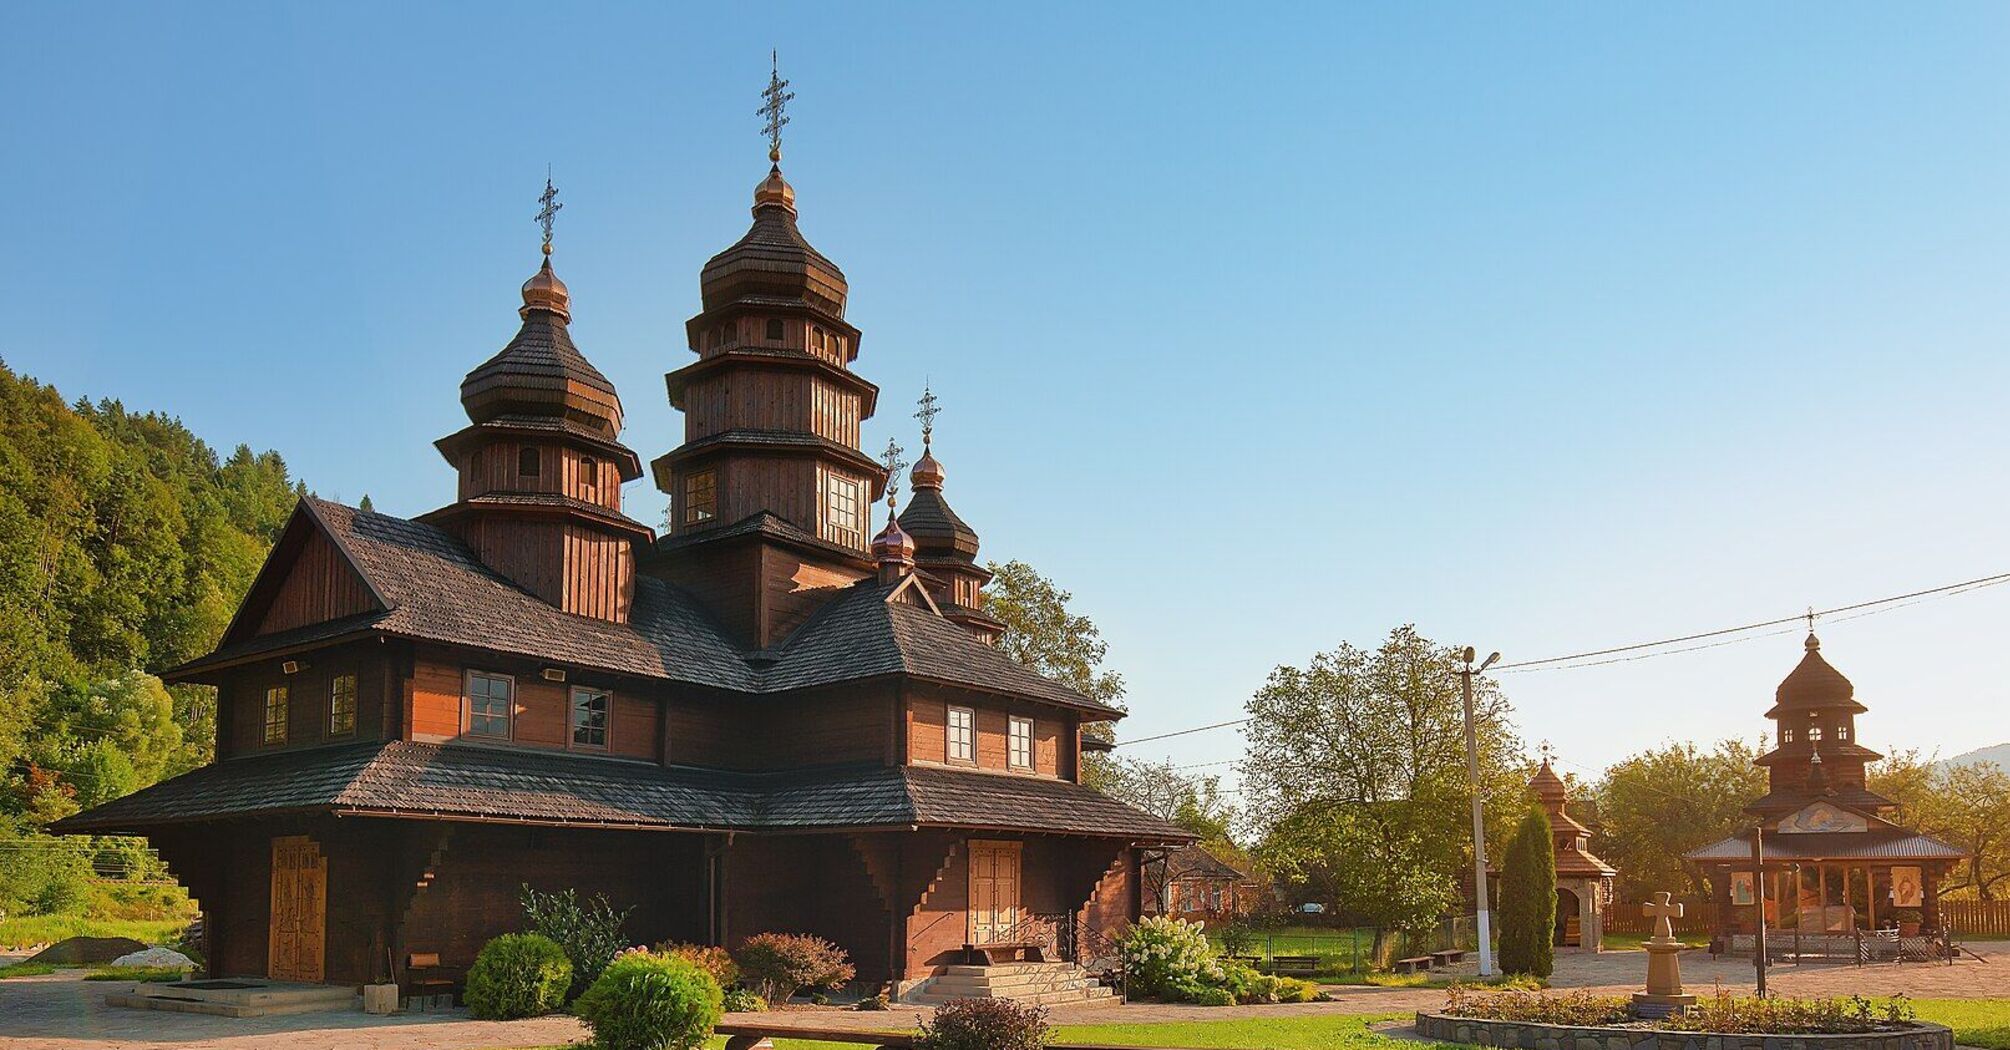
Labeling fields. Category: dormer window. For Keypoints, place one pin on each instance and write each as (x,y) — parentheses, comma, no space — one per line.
(528,463)
(774,329)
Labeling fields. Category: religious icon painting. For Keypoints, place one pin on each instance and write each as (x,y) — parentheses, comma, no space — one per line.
(1744,890)
(1907,888)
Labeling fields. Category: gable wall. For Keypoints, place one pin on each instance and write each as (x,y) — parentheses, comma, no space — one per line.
(320,585)
(927,725)
(241,700)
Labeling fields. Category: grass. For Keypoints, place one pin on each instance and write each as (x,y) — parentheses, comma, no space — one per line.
(25,969)
(1631,941)
(22,931)
(1976,1022)
(1320,1032)
(155,974)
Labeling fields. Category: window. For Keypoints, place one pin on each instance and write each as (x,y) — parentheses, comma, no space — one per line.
(589,717)
(1786,736)
(701,496)
(1814,734)
(1842,732)
(342,705)
(844,510)
(1020,752)
(527,462)
(489,703)
(774,329)
(1190,896)
(589,474)
(722,335)
(962,745)
(275,714)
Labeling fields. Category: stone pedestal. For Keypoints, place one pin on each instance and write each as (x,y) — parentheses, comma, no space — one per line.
(1664,994)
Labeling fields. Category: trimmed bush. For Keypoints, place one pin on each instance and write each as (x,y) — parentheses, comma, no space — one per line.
(781,964)
(645,1001)
(590,932)
(1168,958)
(518,975)
(1528,898)
(710,958)
(743,1001)
(985,1024)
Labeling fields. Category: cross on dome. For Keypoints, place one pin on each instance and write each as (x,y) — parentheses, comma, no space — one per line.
(549,210)
(775,107)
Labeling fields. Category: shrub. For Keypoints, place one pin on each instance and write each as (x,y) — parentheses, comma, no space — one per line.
(1293,990)
(1528,898)
(590,933)
(1516,1004)
(710,958)
(743,1001)
(1237,938)
(985,1024)
(877,1002)
(1725,1012)
(645,1001)
(518,975)
(782,964)
(1167,958)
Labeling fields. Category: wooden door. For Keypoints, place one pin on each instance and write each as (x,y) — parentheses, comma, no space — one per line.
(994,891)
(297,939)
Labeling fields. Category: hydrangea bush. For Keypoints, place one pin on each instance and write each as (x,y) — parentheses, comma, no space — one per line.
(1169,958)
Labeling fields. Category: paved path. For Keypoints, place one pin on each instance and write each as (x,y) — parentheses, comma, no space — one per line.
(63,1012)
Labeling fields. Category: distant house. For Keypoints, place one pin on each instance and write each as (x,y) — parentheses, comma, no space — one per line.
(1195,884)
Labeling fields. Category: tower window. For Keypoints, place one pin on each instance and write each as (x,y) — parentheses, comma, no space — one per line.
(528,463)
(774,329)
(844,510)
(342,705)
(722,335)
(701,497)
(1786,736)
(1814,734)
(589,474)
(1842,732)
(819,339)
(589,718)
(490,697)
(275,715)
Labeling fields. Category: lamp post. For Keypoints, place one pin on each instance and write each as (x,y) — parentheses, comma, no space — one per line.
(1485,922)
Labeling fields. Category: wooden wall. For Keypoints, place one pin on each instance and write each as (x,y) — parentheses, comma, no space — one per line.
(562,470)
(812,884)
(759,592)
(575,567)
(771,399)
(241,699)
(542,718)
(320,585)
(817,729)
(928,721)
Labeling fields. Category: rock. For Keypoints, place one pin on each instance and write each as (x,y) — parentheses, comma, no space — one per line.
(86,950)
(156,957)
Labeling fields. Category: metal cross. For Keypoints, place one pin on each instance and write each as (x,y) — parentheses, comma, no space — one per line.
(549,198)
(894,465)
(927,415)
(777,96)
(1548,752)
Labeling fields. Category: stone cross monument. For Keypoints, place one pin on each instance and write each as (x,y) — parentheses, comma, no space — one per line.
(1664,993)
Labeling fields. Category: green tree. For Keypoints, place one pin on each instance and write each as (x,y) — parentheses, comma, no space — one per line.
(1528,898)
(1042,633)
(1380,863)
(1656,806)
(1965,805)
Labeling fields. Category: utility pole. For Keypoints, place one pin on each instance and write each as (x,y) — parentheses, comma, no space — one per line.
(1759,897)
(1485,922)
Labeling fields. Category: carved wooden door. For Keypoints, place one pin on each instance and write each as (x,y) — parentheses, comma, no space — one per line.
(297,936)
(994,891)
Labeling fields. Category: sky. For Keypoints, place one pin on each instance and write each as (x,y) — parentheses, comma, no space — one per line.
(1544,327)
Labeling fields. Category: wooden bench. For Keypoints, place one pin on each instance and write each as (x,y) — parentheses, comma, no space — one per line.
(1294,965)
(1414,964)
(427,985)
(1004,952)
(1449,956)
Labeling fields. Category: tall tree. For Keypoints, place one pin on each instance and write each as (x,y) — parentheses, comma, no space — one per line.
(1657,805)
(1528,898)
(1380,864)
(1043,633)
(1965,804)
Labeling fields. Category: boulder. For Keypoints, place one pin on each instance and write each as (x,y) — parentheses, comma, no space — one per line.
(164,957)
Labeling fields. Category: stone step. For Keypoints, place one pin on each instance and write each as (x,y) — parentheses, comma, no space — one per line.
(1080,995)
(252,999)
(1004,991)
(973,970)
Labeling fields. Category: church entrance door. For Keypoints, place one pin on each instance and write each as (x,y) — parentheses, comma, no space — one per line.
(994,891)
(297,934)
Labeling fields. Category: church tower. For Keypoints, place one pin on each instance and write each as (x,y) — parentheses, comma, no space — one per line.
(541,464)
(945,546)
(770,494)
(1816,753)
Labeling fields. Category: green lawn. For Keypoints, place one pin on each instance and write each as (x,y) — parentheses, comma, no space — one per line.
(1976,1022)
(19,932)
(26,969)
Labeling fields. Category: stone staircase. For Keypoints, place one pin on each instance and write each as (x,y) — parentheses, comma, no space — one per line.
(1040,983)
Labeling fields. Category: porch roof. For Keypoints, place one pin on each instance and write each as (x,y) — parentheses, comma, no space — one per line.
(462,782)
(1896,845)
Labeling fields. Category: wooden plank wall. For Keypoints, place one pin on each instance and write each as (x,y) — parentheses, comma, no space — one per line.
(928,720)
(241,700)
(806,730)
(543,715)
(319,586)
(574,567)
(561,470)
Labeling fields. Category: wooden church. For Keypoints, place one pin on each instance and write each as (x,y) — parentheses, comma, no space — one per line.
(770,718)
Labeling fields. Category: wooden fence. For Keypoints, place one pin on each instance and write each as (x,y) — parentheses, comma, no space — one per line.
(1976,918)
(1626,917)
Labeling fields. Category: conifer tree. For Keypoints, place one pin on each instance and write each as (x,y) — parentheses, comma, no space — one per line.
(1528,898)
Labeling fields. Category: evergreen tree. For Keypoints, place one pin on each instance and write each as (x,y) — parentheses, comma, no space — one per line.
(1528,898)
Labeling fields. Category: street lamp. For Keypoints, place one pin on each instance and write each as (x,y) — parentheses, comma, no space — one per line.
(1479,812)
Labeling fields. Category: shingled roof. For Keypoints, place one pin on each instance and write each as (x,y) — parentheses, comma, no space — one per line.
(403,778)
(435,589)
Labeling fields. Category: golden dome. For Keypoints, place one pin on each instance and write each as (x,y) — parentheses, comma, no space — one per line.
(775,190)
(927,473)
(893,544)
(544,291)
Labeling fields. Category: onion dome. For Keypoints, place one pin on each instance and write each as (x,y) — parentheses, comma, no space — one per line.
(893,546)
(1814,685)
(937,531)
(773,262)
(541,373)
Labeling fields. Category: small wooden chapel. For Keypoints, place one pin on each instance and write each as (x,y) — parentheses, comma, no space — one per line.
(770,718)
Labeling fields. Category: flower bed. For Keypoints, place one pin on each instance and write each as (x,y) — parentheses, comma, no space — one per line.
(1582,1021)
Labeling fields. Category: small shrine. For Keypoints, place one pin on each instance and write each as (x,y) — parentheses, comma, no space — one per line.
(1583,882)
(1836,864)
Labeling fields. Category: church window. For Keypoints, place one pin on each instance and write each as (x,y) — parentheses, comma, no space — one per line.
(490,698)
(962,743)
(844,510)
(774,329)
(1814,734)
(701,496)
(589,718)
(342,705)
(1021,750)
(722,335)
(275,714)
(1786,736)
(589,475)
(528,462)
(1842,732)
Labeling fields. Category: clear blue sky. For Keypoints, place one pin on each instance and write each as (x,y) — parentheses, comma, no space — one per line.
(1545,328)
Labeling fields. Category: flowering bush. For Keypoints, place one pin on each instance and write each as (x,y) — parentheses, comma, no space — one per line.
(985,1024)
(710,958)
(782,964)
(1725,1012)
(1168,958)
(518,975)
(645,1001)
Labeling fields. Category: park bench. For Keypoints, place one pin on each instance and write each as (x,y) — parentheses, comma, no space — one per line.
(1294,965)
(753,1035)
(1003,952)
(1449,956)
(1414,964)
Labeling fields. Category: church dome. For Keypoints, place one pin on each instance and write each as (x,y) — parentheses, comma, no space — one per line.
(937,530)
(1548,786)
(1814,684)
(892,544)
(772,261)
(541,372)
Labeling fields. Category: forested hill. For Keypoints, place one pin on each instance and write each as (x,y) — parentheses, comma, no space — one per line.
(125,544)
